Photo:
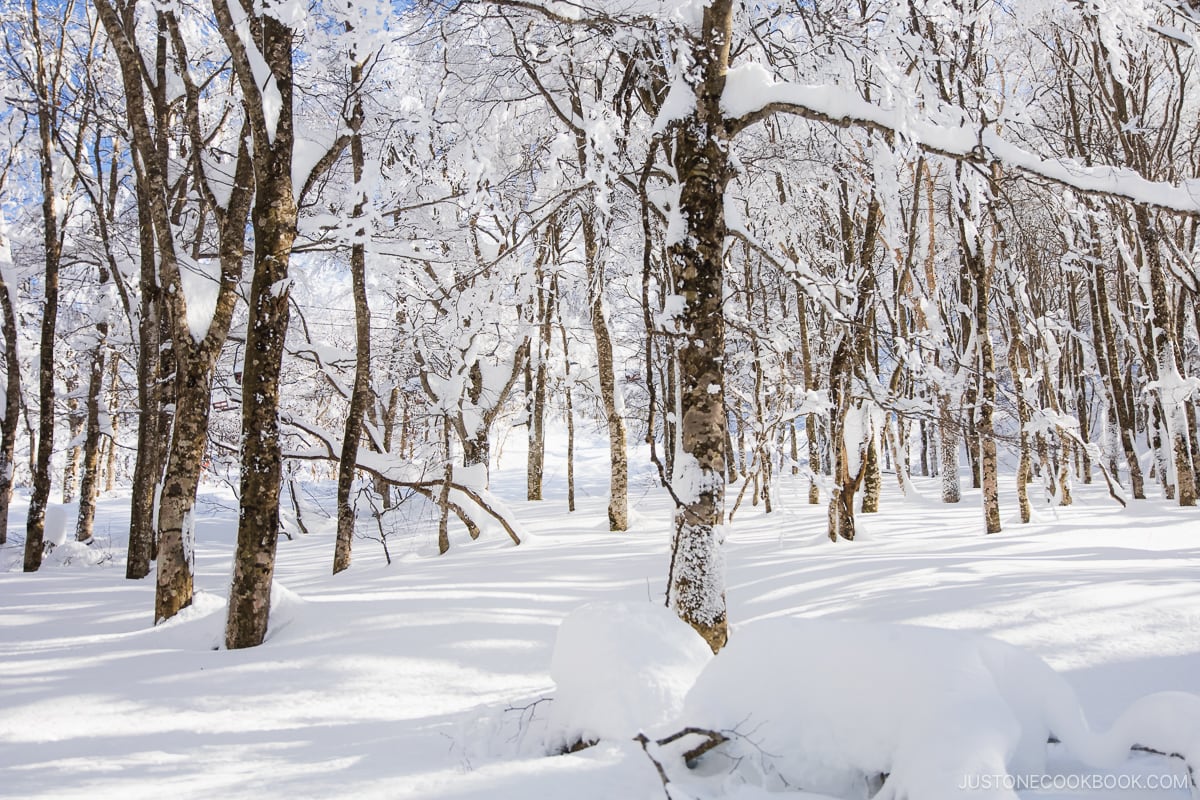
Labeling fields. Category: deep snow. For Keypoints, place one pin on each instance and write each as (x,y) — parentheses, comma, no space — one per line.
(426,678)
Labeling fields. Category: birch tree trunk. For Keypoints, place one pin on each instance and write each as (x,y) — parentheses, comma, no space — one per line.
(35,526)
(274,222)
(12,399)
(535,372)
(696,585)
(361,393)
(618,494)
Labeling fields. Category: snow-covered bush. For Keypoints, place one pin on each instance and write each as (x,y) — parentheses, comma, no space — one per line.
(620,668)
(837,706)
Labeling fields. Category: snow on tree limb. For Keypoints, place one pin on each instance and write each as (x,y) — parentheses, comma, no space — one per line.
(395,471)
(751,94)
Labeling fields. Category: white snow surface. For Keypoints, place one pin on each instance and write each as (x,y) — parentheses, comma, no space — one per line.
(201,283)
(435,677)
(620,669)
(935,710)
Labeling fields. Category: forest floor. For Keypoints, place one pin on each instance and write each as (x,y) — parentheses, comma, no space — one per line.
(422,678)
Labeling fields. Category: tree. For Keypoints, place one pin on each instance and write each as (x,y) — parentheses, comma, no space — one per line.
(45,70)
(270,121)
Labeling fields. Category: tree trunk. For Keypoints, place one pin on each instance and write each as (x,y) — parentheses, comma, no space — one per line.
(274,222)
(570,413)
(153,358)
(110,447)
(948,450)
(977,274)
(696,587)
(90,484)
(536,391)
(35,526)
(618,495)
(185,459)
(361,393)
(1018,365)
(75,425)
(12,399)
(846,482)
(443,500)
(872,476)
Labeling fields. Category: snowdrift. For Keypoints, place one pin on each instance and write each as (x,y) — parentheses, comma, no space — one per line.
(852,710)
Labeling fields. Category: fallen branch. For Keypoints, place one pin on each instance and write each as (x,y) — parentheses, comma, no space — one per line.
(662,772)
(1139,748)
(711,739)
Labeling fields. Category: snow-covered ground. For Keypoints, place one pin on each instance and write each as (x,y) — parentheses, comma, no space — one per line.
(426,678)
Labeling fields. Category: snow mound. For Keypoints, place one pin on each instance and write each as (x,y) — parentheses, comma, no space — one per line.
(199,626)
(57,520)
(834,707)
(61,548)
(620,668)
(78,554)
(286,606)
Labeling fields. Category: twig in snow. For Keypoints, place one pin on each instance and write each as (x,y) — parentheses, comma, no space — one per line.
(662,773)
(1140,748)
(711,739)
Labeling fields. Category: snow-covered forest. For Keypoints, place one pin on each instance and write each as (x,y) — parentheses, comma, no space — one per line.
(636,398)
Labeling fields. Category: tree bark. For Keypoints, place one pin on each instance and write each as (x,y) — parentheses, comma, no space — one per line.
(12,400)
(35,527)
(152,359)
(360,395)
(75,425)
(90,483)
(948,451)
(536,390)
(618,495)
(274,222)
(696,586)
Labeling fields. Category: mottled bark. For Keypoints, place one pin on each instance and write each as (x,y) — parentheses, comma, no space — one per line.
(360,395)
(147,467)
(696,584)
(872,476)
(443,499)
(35,527)
(75,423)
(90,482)
(618,493)
(1064,474)
(948,451)
(173,584)
(535,390)
(12,401)
(570,414)
(1019,367)
(977,277)
(149,143)
(274,222)
(846,482)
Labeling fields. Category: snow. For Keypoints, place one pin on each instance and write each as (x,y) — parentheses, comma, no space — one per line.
(306,155)
(678,104)
(201,283)
(619,669)
(264,78)
(932,709)
(750,88)
(436,677)
(57,524)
